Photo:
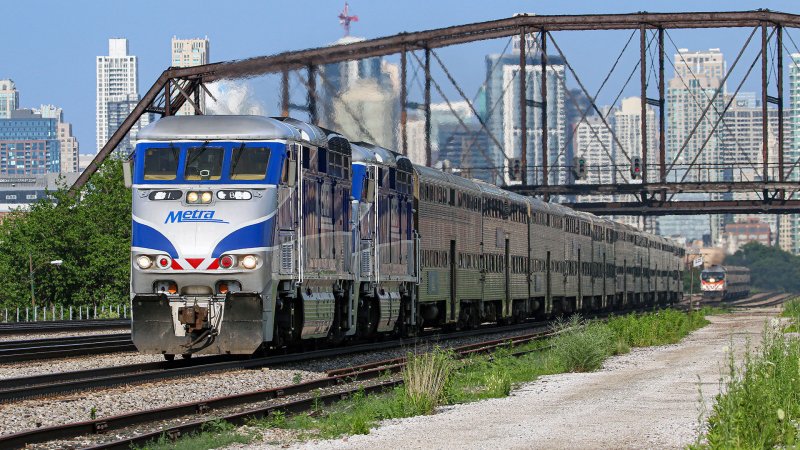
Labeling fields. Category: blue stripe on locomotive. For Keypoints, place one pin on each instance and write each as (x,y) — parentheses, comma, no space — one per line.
(252,236)
(359,179)
(257,235)
(144,236)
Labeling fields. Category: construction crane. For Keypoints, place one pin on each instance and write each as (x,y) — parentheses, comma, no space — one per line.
(345,18)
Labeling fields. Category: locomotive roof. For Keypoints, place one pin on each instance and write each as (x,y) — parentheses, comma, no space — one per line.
(219,128)
(362,154)
(310,133)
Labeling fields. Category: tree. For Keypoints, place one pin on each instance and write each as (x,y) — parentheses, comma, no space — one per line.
(771,269)
(91,233)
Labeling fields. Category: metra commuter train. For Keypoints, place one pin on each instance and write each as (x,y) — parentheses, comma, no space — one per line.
(252,233)
(725,283)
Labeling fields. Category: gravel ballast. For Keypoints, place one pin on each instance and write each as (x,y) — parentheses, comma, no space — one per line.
(34,413)
(649,398)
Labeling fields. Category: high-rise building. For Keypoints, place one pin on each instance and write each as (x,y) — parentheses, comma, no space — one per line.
(188,53)
(69,148)
(9,98)
(359,98)
(68,143)
(691,133)
(29,144)
(503,117)
(446,131)
(628,130)
(594,143)
(117,80)
(789,235)
(117,110)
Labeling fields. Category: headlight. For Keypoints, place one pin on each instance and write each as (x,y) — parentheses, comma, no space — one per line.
(191,197)
(144,262)
(249,262)
(205,197)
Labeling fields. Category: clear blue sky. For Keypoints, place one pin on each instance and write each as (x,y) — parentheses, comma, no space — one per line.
(49,47)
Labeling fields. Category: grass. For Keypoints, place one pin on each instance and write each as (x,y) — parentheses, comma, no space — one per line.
(791,309)
(214,434)
(438,378)
(760,403)
(658,328)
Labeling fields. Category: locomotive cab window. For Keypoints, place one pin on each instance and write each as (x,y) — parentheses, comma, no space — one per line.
(249,163)
(204,163)
(161,163)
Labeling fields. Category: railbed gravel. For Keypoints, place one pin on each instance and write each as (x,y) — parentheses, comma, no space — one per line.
(75,363)
(41,412)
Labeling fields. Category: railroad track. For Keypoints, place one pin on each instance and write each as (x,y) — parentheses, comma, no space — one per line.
(106,377)
(38,349)
(350,376)
(75,381)
(62,325)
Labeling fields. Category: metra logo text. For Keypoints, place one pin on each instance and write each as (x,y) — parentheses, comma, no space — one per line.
(196,215)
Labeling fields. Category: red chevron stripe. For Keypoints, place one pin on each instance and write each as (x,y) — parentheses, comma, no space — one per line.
(195,262)
(176,265)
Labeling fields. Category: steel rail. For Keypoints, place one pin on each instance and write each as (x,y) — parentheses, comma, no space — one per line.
(25,350)
(62,325)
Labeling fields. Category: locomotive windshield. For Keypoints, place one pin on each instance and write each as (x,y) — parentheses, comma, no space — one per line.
(249,163)
(204,163)
(716,276)
(161,163)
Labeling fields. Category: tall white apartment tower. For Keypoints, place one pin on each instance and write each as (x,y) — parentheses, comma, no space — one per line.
(117,80)
(697,82)
(188,53)
(628,129)
(9,98)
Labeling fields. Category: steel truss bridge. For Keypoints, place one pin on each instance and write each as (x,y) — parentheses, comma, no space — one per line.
(653,196)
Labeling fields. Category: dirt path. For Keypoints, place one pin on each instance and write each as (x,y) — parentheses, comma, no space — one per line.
(648,398)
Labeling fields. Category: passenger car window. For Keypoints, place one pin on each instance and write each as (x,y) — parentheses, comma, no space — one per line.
(161,163)
(249,163)
(203,163)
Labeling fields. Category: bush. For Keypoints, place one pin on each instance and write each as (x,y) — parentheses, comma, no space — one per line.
(425,378)
(582,346)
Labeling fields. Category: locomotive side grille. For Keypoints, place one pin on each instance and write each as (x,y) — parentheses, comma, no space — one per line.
(287,258)
(366,262)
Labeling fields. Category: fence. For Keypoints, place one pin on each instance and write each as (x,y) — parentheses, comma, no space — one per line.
(44,314)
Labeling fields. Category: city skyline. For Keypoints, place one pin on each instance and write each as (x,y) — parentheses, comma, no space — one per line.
(151,45)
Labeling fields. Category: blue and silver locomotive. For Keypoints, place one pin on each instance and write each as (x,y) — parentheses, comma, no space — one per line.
(252,233)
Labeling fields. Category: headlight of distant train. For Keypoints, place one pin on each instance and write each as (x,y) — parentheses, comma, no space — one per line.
(144,262)
(249,262)
(163,261)
(191,197)
(227,261)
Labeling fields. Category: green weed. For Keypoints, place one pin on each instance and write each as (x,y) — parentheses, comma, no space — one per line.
(582,346)
(760,403)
